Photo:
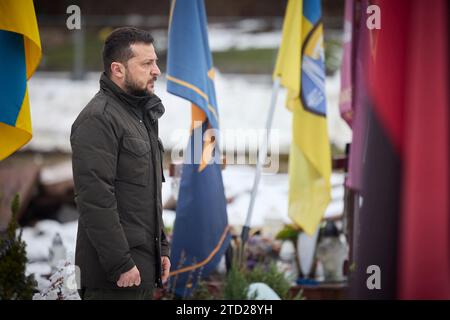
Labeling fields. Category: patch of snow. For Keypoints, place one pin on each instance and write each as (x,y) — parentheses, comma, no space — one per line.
(261,291)
(39,238)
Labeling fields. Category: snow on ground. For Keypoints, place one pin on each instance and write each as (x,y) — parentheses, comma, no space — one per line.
(243,102)
(39,238)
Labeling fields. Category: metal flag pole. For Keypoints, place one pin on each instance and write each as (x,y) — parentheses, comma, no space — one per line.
(261,159)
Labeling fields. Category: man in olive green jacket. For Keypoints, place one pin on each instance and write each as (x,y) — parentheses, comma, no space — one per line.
(121,249)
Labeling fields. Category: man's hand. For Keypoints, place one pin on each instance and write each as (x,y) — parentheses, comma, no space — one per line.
(165,263)
(130,278)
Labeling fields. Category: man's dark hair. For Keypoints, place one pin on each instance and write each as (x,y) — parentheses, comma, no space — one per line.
(117,45)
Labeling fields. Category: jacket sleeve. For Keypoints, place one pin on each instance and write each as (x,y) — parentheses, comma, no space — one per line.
(165,247)
(94,157)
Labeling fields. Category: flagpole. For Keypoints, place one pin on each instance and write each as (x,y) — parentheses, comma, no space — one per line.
(261,159)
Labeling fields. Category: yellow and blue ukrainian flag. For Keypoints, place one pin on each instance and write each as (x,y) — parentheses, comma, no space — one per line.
(20,53)
(201,232)
(301,69)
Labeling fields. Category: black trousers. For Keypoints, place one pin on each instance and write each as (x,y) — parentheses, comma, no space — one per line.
(116,294)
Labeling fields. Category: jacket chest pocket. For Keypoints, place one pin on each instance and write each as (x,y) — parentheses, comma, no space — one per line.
(134,161)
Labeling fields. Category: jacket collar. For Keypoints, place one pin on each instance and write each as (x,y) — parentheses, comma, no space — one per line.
(149,104)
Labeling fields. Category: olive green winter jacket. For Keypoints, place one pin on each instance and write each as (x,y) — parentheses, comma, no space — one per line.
(117,170)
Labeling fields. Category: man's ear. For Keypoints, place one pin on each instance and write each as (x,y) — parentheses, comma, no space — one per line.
(118,70)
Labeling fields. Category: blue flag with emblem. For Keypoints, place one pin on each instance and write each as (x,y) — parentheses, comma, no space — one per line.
(201,231)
